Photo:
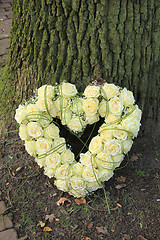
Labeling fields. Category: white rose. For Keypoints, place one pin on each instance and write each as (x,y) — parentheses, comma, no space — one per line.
(41,162)
(23,132)
(104,161)
(110,90)
(41,105)
(105,133)
(105,174)
(21,113)
(77,169)
(85,158)
(44,120)
(59,144)
(61,104)
(43,145)
(76,124)
(117,159)
(61,185)
(30,147)
(49,172)
(53,160)
(93,186)
(110,119)
(95,145)
(34,130)
(116,106)
(63,172)
(66,116)
(131,125)
(52,131)
(68,90)
(77,183)
(33,112)
(53,111)
(127,97)
(102,108)
(120,134)
(137,114)
(89,174)
(90,119)
(78,193)
(92,91)
(77,105)
(112,147)
(90,106)
(49,91)
(67,157)
(126,145)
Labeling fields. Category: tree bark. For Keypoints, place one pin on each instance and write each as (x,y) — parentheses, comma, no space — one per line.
(75,40)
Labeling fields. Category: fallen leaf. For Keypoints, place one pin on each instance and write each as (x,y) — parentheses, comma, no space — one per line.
(50,217)
(90,225)
(119,186)
(63,200)
(80,201)
(112,230)
(42,224)
(87,238)
(121,179)
(18,169)
(54,194)
(102,230)
(47,229)
(119,205)
(134,158)
(141,237)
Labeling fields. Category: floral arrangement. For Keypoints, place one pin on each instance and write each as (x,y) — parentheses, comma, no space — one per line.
(106,150)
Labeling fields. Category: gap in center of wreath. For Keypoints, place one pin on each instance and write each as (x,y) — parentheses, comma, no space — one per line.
(73,142)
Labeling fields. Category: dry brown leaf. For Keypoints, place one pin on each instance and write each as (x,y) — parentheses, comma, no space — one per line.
(140,237)
(90,225)
(87,238)
(50,217)
(134,158)
(63,200)
(119,186)
(80,201)
(121,179)
(47,229)
(119,205)
(42,224)
(102,230)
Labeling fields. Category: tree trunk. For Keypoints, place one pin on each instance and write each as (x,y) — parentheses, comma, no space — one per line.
(75,40)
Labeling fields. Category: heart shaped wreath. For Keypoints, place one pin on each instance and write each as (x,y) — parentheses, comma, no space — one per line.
(106,150)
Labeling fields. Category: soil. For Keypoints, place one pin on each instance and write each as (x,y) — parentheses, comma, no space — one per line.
(133,196)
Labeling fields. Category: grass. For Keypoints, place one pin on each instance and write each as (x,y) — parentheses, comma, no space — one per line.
(142,173)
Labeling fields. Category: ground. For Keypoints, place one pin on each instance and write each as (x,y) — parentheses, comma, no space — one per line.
(133,197)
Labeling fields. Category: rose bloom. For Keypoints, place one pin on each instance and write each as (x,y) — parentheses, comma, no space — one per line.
(110,119)
(53,160)
(127,97)
(102,108)
(120,134)
(77,183)
(95,145)
(77,169)
(89,175)
(43,145)
(112,147)
(30,147)
(23,132)
(34,130)
(105,134)
(115,106)
(40,104)
(53,111)
(63,172)
(76,124)
(66,116)
(61,185)
(32,112)
(61,104)
(105,174)
(93,186)
(78,193)
(67,157)
(44,120)
(21,113)
(137,114)
(77,105)
(131,125)
(104,161)
(68,90)
(92,91)
(59,141)
(52,131)
(117,159)
(90,106)
(41,162)
(49,91)
(85,158)
(126,145)
(110,90)
(49,172)
(90,119)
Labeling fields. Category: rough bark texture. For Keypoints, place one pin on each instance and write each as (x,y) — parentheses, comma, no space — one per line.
(74,40)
